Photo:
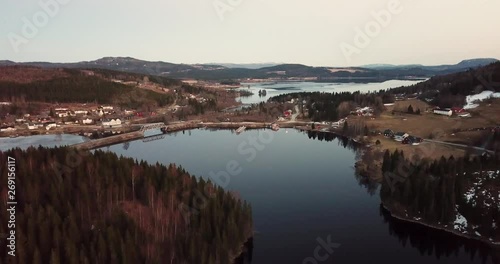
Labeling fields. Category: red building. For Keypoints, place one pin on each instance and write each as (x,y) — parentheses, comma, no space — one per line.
(457,110)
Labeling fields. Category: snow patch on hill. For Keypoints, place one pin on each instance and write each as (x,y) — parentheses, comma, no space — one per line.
(473,99)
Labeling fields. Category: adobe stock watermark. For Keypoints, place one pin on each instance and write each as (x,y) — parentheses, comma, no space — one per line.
(247,148)
(323,251)
(363,36)
(488,82)
(31,26)
(73,159)
(221,7)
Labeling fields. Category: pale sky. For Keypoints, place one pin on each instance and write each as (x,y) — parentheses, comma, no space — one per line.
(310,32)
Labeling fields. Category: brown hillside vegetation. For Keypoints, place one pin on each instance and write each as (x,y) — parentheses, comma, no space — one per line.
(26,74)
(80,207)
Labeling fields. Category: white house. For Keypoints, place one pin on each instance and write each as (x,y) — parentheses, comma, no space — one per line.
(33,126)
(443,112)
(87,121)
(400,136)
(81,112)
(50,125)
(112,123)
(7,129)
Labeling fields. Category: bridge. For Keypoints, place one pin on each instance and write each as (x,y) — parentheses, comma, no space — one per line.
(151,126)
(153,138)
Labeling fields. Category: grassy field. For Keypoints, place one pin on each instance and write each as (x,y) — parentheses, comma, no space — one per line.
(427,126)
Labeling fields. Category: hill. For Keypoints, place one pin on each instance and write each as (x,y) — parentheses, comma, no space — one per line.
(463,65)
(285,71)
(451,89)
(57,85)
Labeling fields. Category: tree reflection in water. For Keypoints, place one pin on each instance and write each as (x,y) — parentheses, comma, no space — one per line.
(436,242)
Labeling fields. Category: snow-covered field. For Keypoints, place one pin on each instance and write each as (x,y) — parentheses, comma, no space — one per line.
(473,99)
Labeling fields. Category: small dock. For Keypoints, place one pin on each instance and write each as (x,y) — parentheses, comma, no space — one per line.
(240,129)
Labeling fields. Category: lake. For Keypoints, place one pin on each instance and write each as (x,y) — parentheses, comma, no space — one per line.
(278,88)
(305,194)
(48,141)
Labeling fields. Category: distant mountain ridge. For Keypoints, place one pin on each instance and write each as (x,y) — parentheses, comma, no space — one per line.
(465,64)
(245,65)
(244,71)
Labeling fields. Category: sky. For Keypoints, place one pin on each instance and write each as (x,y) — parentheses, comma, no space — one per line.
(311,32)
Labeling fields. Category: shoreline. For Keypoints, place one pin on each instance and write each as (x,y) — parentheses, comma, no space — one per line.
(493,244)
(126,137)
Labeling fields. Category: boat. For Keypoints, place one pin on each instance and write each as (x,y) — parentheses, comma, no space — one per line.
(240,129)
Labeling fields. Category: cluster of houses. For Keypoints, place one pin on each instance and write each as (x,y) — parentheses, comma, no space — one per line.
(458,111)
(31,124)
(403,137)
(199,99)
(103,115)
(325,125)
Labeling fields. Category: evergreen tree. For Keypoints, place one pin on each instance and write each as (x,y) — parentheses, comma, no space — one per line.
(410,109)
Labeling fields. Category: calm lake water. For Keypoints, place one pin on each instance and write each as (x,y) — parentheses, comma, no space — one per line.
(278,88)
(40,140)
(304,193)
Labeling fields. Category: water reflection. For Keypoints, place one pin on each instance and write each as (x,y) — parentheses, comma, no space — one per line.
(330,199)
(246,256)
(328,137)
(437,243)
(441,245)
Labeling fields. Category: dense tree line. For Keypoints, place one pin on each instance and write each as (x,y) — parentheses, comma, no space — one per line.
(78,207)
(435,190)
(129,76)
(83,89)
(450,90)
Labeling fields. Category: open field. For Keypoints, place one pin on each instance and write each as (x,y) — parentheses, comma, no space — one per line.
(429,125)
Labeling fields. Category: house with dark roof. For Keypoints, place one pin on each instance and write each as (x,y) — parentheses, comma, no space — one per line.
(388,133)
(399,136)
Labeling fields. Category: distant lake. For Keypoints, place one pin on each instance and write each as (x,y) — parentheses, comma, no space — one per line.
(278,88)
(303,190)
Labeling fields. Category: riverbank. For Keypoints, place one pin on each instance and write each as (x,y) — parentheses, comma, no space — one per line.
(495,244)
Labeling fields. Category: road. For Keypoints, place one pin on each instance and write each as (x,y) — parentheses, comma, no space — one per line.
(458,145)
(294,116)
